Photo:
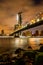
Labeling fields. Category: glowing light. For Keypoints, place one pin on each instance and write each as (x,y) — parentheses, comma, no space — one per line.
(42,18)
(17,41)
(38,20)
(33,21)
(17,17)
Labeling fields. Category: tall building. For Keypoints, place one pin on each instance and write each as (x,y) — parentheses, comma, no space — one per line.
(19,18)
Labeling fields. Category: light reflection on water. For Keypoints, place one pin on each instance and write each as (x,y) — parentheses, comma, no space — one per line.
(23,42)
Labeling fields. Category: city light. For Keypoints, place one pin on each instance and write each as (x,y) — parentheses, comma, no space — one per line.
(17,17)
(42,18)
(33,21)
(38,20)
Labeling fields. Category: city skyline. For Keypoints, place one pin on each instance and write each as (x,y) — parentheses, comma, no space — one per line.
(9,9)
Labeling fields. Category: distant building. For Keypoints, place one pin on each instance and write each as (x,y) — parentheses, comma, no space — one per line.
(19,18)
(2,33)
(27,33)
(41,34)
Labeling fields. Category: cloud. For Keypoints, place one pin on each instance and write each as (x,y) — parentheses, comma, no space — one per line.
(2,1)
(9,9)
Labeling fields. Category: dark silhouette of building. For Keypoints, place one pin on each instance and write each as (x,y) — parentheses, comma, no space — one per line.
(41,34)
(2,33)
(36,33)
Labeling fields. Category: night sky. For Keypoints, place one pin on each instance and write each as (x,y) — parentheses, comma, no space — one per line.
(9,9)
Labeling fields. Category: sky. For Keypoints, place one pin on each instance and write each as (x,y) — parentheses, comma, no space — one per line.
(10,8)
